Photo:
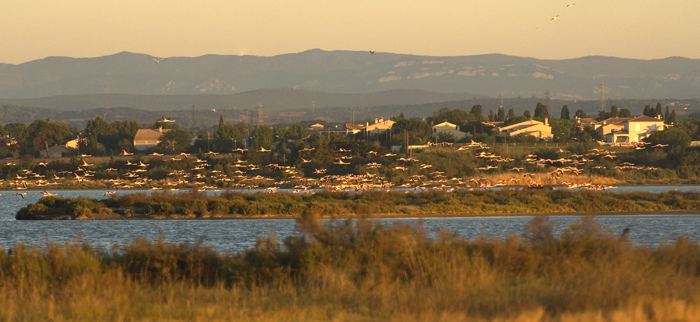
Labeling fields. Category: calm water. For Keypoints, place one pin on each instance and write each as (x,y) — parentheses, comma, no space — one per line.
(237,235)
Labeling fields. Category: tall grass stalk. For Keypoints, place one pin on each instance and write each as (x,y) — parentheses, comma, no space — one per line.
(360,270)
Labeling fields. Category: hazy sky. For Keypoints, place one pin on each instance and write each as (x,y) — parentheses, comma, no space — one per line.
(644,29)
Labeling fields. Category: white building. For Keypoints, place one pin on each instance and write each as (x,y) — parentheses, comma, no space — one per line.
(449,129)
(147,138)
(380,126)
(636,129)
(540,130)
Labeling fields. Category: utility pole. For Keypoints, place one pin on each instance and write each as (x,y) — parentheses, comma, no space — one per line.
(260,114)
(602,96)
(192,125)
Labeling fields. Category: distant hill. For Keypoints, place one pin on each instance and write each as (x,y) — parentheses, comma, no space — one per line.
(350,72)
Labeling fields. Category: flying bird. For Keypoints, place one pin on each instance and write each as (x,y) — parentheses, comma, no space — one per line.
(570,4)
(371,52)
(555,17)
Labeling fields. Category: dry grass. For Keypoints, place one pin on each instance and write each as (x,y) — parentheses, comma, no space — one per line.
(360,271)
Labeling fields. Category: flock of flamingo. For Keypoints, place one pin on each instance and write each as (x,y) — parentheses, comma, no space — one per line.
(207,172)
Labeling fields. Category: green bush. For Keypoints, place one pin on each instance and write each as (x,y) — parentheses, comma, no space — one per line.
(160,209)
(218,206)
(195,207)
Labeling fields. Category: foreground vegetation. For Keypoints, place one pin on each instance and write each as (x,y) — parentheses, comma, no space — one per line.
(361,270)
(167,205)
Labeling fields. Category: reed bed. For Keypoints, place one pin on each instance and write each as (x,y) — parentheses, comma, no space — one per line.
(350,204)
(360,270)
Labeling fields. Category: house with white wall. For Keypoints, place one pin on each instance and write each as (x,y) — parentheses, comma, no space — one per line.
(147,138)
(613,124)
(636,129)
(448,129)
(380,126)
(540,130)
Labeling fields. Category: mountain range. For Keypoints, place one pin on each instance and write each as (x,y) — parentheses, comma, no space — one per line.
(352,72)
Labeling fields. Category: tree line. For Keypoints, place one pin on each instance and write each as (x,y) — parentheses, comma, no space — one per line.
(100,137)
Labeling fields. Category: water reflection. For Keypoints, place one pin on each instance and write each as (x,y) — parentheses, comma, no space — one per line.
(237,235)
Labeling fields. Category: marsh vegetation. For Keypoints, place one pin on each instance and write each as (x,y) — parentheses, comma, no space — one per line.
(360,270)
(328,204)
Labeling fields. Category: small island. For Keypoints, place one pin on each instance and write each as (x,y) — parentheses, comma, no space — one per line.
(375,203)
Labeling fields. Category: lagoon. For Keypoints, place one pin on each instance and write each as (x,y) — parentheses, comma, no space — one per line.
(237,235)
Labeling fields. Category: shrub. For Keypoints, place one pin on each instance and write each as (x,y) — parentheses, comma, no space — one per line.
(160,209)
(195,207)
(218,206)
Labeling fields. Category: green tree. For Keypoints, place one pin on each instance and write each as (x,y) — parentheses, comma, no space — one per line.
(501,114)
(561,129)
(124,138)
(527,114)
(672,118)
(625,113)
(541,111)
(515,120)
(262,136)
(478,113)
(565,112)
(676,139)
(296,131)
(602,115)
(691,127)
(614,111)
(455,116)
(44,134)
(580,114)
(96,131)
(511,114)
(658,111)
(175,140)
(419,132)
(225,136)
(20,133)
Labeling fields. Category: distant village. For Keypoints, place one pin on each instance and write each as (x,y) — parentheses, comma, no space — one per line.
(54,139)
(452,149)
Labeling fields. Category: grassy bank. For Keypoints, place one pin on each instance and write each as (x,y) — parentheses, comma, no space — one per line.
(166,205)
(361,271)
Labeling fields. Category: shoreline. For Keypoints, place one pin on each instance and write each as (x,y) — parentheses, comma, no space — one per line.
(404,216)
(683,187)
(375,204)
